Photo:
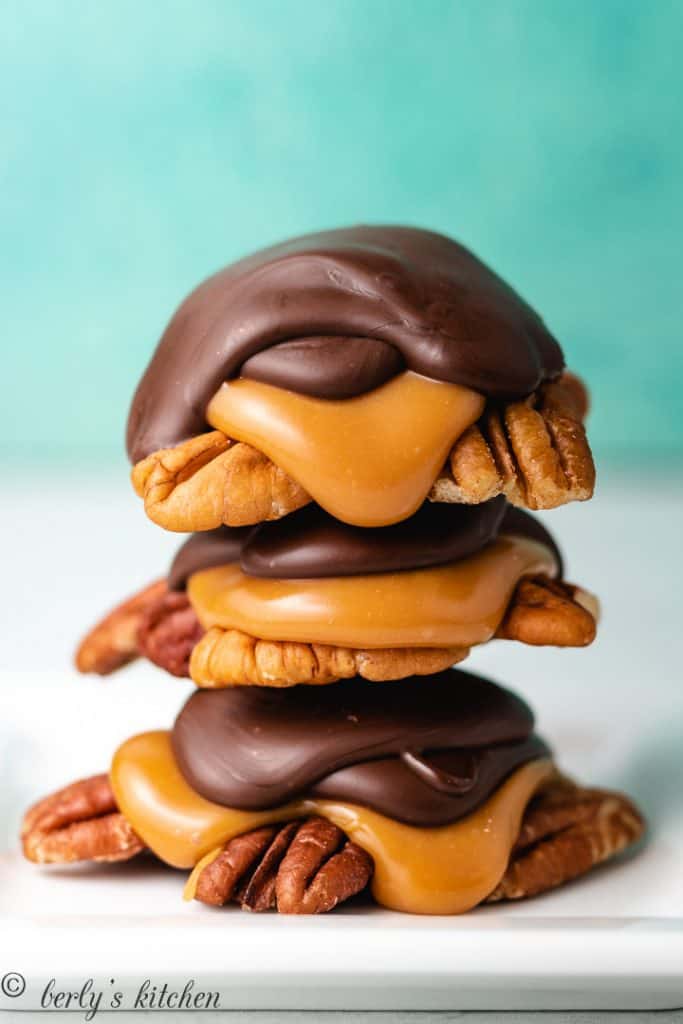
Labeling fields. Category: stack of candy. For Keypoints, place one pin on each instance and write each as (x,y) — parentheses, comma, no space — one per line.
(352,426)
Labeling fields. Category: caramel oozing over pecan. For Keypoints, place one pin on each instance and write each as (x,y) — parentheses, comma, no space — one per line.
(535,452)
(542,612)
(447,869)
(445,606)
(369,460)
(311,866)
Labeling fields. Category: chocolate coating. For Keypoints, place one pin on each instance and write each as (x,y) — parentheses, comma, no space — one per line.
(326,367)
(391,787)
(520,523)
(446,314)
(311,544)
(252,747)
(206,551)
(316,545)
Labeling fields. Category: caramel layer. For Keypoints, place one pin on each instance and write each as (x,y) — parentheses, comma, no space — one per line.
(370,460)
(459,604)
(445,870)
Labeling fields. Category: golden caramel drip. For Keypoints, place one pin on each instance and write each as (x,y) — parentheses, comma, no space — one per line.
(370,460)
(445,870)
(454,605)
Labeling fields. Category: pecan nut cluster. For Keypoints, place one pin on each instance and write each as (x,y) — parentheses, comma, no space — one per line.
(535,452)
(298,868)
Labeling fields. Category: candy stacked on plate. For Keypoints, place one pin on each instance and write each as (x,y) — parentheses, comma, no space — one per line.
(352,426)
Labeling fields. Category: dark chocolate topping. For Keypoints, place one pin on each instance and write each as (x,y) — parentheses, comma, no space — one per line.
(392,788)
(443,311)
(311,544)
(326,367)
(206,551)
(520,523)
(251,747)
(314,544)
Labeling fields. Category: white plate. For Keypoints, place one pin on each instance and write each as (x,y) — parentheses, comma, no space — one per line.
(613,940)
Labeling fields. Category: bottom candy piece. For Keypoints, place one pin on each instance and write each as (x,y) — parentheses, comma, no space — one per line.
(310,866)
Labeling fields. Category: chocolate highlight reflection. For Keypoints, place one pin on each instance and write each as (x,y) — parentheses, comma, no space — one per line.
(343,422)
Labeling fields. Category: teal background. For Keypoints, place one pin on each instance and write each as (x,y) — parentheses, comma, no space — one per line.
(142,145)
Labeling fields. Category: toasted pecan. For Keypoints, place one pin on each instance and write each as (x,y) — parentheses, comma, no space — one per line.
(211,480)
(304,867)
(79,822)
(156,623)
(534,451)
(113,642)
(169,632)
(232,658)
(546,612)
(566,831)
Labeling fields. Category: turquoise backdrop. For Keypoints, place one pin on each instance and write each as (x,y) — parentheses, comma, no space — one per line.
(144,144)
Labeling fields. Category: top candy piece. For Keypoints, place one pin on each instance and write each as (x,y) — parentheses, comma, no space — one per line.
(360,304)
(367,369)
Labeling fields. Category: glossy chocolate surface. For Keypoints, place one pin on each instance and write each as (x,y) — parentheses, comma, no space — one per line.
(392,786)
(207,550)
(314,544)
(326,367)
(429,299)
(310,544)
(254,747)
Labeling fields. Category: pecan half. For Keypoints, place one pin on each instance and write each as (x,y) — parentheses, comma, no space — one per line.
(79,822)
(168,633)
(113,642)
(297,868)
(211,480)
(566,831)
(156,623)
(548,612)
(535,452)
(232,658)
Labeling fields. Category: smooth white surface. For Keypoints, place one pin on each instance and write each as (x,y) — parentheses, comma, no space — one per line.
(614,714)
